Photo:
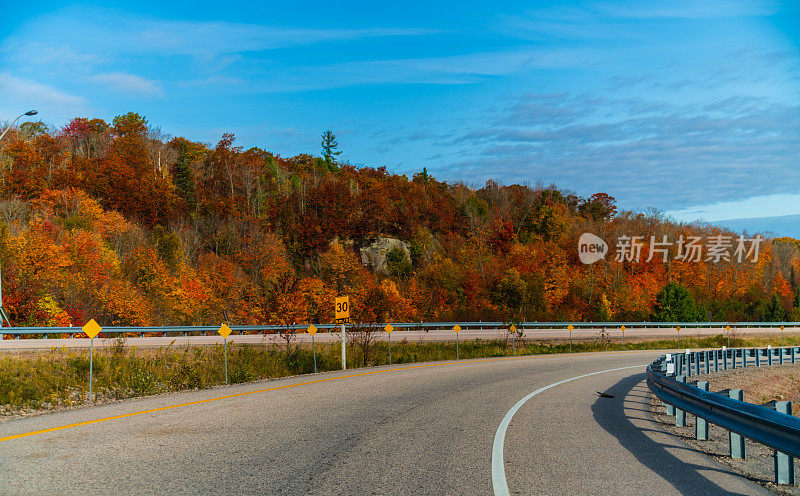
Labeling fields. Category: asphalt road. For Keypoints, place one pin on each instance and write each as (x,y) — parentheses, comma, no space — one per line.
(425,429)
(428,336)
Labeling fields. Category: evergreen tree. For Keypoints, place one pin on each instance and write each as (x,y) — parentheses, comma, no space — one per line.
(675,304)
(330,147)
(183,177)
(774,311)
(796,302)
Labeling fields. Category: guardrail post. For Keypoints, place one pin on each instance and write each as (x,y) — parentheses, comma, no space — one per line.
(700,424)
(707,361)
(780,355)
(724,359)
(688,365)
(680,415)
(716,360)
(737,446)
(769,355)
(793,354)
(758,357)
(745,357)
(784,464)
(671,360)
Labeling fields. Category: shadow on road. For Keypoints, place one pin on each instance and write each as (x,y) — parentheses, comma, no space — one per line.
(611,415)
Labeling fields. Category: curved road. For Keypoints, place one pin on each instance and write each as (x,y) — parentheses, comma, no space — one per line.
(424,429)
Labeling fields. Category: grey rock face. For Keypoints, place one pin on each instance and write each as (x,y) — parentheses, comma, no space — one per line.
(373,256)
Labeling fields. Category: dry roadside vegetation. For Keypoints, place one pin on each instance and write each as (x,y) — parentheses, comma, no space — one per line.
(762,384)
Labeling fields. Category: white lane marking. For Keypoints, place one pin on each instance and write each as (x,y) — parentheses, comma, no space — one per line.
(498,470)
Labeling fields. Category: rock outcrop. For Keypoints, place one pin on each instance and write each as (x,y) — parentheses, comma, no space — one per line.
(373,255)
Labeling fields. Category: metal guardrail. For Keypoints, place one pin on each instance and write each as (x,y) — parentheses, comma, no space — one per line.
(425,326)
(771,424)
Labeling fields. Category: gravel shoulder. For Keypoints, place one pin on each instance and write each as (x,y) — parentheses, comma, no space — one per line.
(760,384)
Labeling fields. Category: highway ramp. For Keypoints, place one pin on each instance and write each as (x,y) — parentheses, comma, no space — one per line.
(419,429)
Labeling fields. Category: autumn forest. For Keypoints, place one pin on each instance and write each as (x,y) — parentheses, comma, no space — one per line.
(122,223)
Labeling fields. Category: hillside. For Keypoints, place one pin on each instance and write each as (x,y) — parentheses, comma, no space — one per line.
(121,223)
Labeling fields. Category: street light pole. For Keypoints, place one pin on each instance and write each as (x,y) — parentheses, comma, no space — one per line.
(29,113)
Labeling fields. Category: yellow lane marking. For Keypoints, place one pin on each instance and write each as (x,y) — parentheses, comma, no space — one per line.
(316,381)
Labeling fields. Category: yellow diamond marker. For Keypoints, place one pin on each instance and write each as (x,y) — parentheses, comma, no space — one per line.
(728,328)
(92,328)
(781,328)
(388,328)
(570,327)
(513,328)
(224,330)
(456,327)
(623,328)
(312,330)
(678,327)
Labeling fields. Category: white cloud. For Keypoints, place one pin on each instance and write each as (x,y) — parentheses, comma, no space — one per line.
(187,37)
(124,82)
(748,208)
(117,33)
(452,70)
(688,9)
(27,94)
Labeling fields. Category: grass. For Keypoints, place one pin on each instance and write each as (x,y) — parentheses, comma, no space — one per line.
(58,378)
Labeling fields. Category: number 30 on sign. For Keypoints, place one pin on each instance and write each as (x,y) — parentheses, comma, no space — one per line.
(342,307)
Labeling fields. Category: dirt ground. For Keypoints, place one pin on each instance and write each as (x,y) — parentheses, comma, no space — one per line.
(760,384)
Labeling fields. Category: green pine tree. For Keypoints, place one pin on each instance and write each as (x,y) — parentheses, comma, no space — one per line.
(774,310)
(675,304)
(183,177)
(796,302)
(330,148)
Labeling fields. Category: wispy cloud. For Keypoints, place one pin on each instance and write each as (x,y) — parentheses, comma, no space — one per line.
(124,82)
(686,9)
(747,208)
(682,155)
(192,38)
(26,93)
(452,70)
(117,33)
(616,20)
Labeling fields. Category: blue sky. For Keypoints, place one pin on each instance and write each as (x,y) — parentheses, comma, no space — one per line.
(688,107)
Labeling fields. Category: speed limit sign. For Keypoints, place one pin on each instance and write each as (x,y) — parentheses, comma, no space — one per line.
(342,309)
